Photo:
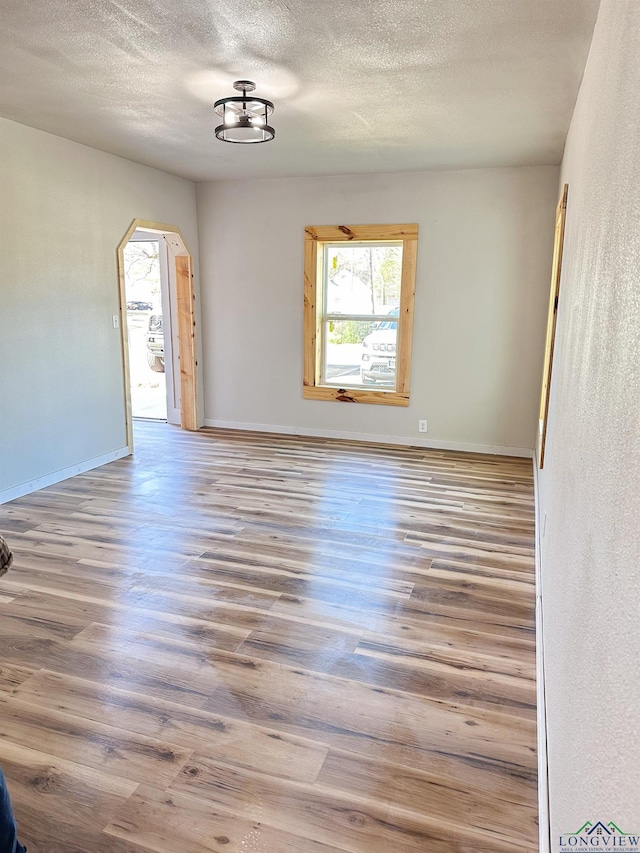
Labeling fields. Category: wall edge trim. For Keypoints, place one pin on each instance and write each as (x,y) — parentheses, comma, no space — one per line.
(63,474)
(544,818)
(376,438)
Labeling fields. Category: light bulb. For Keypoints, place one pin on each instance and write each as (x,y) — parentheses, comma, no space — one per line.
(258,120)
(230,117)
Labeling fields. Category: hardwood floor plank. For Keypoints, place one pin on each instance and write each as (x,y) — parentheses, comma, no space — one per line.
(419,654)
(37,624)
(115,751)
(294,581)
(232,741)
(72,614)
(12,676)
(91,661)
(174,822)
(334,817)
(413,614)
(309,702)
(429,795)
(487,576)
(437,680)
(55,832)
(57,800)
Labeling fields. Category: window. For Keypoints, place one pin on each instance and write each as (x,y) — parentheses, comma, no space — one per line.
(359,283)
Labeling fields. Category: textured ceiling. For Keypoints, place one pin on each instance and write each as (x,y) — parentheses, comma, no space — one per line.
(359,86)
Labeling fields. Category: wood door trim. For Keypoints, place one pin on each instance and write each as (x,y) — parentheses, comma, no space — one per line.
(556,271)
(187,343)
(188,359)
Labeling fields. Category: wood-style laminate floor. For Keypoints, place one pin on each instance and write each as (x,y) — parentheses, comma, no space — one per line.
(250,643)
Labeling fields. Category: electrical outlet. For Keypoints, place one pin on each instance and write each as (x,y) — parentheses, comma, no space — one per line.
(116,321)
(422,426)
(544,523)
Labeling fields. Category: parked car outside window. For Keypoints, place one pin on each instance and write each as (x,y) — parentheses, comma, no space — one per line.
(378,361)
(155,343)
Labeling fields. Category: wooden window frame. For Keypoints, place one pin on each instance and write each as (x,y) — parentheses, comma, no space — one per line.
(315,236)
(556,270)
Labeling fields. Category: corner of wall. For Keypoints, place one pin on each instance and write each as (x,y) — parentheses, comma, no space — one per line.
(63,474)
(544,823)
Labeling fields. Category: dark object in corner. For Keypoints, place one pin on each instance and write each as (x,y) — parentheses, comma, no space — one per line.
(6,557)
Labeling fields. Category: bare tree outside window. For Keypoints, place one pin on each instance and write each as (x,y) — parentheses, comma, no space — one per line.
(142,270)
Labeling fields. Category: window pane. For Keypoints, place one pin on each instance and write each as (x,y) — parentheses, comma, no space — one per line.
(358,353)
(362,278)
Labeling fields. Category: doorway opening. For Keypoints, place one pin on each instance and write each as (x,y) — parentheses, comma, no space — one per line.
(147,313)
(157,314)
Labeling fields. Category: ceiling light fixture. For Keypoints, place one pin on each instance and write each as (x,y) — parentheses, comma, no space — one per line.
(245,119)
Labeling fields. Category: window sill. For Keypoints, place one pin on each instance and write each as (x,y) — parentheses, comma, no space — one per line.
(352,395)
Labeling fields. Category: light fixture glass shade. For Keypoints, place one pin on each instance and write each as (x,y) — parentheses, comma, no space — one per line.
(245,118)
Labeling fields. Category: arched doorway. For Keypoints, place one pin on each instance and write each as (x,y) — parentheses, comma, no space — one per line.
(182,327)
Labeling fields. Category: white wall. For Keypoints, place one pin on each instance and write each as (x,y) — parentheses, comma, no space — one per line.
(65,209)
(590,485)
(482,288)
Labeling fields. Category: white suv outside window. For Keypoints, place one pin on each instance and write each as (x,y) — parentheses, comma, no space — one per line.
(378,361)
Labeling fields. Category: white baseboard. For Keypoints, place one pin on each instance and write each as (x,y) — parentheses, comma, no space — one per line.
(544,822)
(376,438)
(63,474)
